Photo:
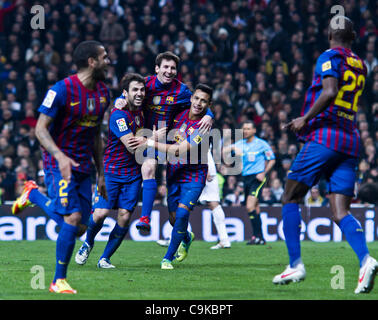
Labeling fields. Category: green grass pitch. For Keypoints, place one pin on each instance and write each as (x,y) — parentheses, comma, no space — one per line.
(240,273)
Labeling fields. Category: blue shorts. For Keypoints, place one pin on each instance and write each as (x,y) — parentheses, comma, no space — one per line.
(67,198)
(314,160)
(121,194)
(184,193)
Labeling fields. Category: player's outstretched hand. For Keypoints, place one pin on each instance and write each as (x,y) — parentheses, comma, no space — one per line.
(159,134)
(65,166)
(101,186)
(296,124)
(205,124)
(121,102)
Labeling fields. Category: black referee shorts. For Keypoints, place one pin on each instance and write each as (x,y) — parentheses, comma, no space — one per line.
(252,185)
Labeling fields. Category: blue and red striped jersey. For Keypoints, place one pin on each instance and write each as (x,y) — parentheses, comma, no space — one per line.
(192,168)
(118,161)
(336,126)
(164,102)
(77,113)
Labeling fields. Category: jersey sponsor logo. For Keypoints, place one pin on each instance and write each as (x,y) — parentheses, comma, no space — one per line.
(326,66)
(49,99)
(91,104)
(156,100)
(73,103)
(121,123)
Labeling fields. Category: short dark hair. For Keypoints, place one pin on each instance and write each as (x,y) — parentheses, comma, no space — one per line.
(205,88)
(84,51)
(248,122)
(129,77)
(345,34)
(168,55)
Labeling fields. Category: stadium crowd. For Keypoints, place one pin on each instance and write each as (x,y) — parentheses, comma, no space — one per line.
(258,55)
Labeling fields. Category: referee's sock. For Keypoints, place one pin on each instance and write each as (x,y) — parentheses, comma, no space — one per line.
(254,222)
(44,202)
(355,236)
(292,230)
(148,193)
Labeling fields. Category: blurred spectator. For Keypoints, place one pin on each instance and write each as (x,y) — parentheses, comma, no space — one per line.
(236,197)
(266,196)
(314,199)
(277,189)
(111,31)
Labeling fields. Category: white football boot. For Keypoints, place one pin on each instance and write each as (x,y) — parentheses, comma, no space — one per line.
(295,274)
(366,276)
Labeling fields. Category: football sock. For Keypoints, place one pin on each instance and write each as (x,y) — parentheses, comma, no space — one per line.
(179,232)
(44,202)
(220,225)
(355,236)
(92,230)
(148,193)
(258,226)
(115,240)
(292,230)
(64,248)
(253,218)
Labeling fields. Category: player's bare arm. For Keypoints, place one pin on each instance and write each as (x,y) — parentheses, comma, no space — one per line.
(269,165)
(98,151)
(329,92)
(173,149)
(45,139)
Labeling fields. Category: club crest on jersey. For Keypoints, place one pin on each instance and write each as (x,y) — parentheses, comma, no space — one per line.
(64,202)
(169,100)
(156,100)
(91,104)
(103,101)
(121,123)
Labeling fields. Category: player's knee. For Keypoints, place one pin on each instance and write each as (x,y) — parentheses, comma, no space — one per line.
(73,218)
(100,215)
(148,169)
(124,218)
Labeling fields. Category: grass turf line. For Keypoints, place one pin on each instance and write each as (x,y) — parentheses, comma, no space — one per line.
(240,273)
